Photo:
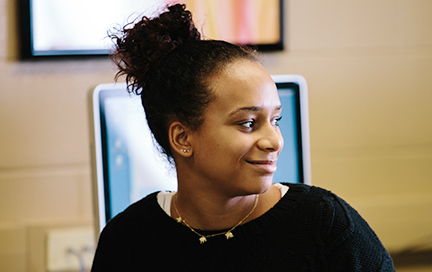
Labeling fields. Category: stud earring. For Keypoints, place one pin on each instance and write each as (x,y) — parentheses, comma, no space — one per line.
(185,150)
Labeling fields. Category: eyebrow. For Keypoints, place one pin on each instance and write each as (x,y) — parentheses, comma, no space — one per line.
(246,109)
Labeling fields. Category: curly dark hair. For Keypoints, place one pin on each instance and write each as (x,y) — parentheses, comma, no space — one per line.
(166,61)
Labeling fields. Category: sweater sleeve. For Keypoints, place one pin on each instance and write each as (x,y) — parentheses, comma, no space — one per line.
(351,245)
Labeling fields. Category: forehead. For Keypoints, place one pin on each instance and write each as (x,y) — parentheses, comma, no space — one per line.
(243,83)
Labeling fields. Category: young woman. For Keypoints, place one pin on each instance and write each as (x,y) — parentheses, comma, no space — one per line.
(214,111)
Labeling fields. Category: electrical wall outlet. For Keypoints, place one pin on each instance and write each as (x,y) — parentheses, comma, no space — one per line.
(70,249)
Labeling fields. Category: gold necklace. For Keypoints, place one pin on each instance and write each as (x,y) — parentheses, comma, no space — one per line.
(203,238)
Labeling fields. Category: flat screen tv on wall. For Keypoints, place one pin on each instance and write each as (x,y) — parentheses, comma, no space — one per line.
(53,28)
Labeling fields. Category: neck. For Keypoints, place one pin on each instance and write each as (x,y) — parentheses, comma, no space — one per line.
(206,207)
(211,213)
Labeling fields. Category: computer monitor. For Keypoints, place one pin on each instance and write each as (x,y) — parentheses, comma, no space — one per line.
(127,164)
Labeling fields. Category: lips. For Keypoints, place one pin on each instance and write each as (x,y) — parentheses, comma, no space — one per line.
(262,162)
(268,166)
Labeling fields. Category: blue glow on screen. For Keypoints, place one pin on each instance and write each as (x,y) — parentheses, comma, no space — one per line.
(136,168)
(118,159)
(288,161)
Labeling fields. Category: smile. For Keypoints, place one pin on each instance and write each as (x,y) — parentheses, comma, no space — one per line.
(267,166)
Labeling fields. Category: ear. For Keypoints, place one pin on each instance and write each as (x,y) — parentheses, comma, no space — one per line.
(179,136)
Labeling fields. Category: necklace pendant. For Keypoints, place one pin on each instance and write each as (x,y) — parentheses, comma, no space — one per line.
(202,240)
(179,219)
(229,235)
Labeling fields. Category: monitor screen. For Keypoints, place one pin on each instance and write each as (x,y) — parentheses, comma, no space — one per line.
(128,164)
(80,27)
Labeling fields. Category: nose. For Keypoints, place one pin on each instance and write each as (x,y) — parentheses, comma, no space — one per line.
(270,139)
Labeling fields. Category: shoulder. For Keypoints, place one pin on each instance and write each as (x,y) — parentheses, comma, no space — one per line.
(311,196)
(116,239)
(334,220)
(135,218)
(332,212)
(307,194)
(307,190)
(318,210)
(347,239)
(137,212)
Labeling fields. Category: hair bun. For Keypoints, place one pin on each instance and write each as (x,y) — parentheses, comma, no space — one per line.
(141,46)
(179,25)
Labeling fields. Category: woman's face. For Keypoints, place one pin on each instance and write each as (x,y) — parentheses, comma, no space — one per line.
(236,148)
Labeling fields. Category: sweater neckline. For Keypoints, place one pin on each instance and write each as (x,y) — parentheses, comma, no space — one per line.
(288,202)
(164,198)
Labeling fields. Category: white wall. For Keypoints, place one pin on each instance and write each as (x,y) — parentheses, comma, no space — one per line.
(368,66)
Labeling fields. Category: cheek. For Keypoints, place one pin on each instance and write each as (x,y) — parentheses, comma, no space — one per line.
(224,150)
(223,142)
(206,144)
(238,148)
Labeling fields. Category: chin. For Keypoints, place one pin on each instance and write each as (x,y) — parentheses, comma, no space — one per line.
(253,186)
(265,185)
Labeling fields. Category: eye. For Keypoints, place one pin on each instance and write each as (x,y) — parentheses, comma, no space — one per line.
(248,124)
(276,121)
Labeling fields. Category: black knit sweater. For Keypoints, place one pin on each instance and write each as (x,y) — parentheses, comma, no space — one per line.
(309,229)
